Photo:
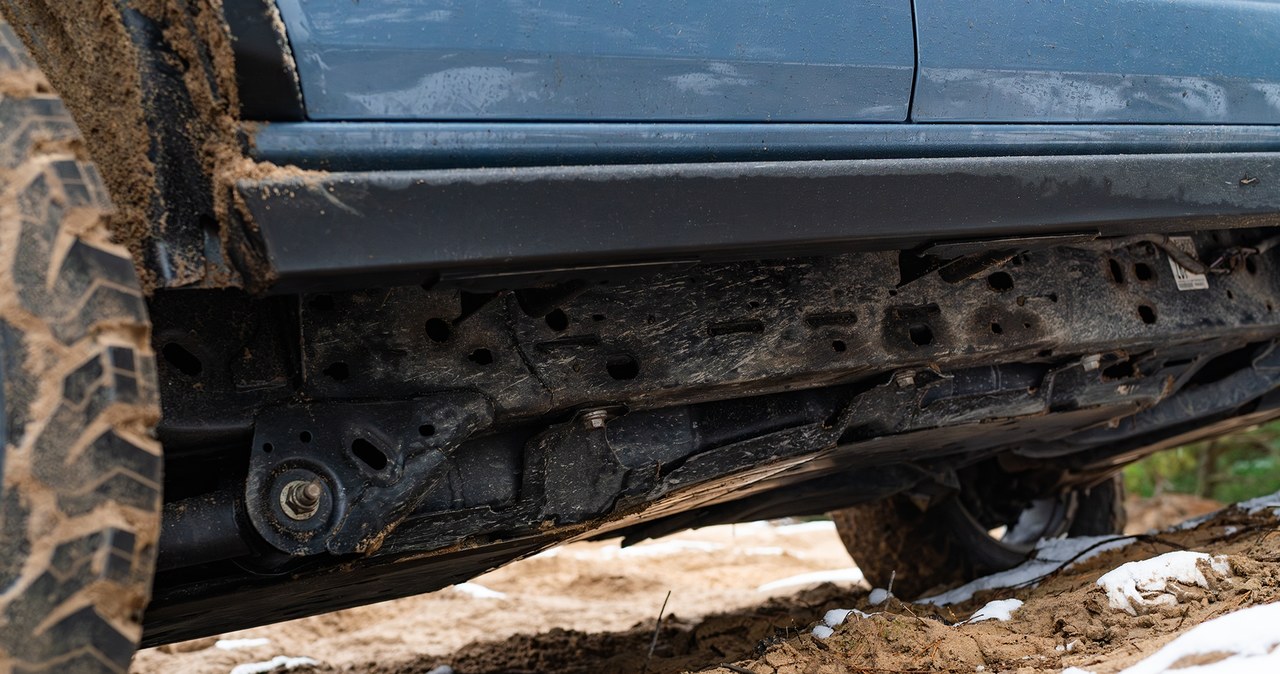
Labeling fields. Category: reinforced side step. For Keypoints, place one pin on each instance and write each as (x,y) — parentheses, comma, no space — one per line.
(337,230)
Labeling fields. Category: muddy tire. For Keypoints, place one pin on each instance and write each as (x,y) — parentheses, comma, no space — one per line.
(894,539)
(80,471)
(945,547)
(1100,509)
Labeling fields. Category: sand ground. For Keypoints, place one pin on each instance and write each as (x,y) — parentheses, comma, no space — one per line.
(748,596)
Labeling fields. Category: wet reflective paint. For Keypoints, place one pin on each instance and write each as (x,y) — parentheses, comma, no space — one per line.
(1123,61)
(657,60)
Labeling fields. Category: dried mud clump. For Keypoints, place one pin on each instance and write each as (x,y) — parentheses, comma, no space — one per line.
(85,50)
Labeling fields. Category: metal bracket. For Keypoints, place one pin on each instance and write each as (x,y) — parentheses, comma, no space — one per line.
(579,472)
(338,477)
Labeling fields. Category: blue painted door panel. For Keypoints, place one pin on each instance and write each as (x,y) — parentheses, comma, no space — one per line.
(603,60)
(1116,61)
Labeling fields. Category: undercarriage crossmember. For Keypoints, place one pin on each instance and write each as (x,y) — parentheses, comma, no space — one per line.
(416,436)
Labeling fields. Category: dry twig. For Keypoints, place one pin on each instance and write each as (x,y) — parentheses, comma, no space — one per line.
(657,627)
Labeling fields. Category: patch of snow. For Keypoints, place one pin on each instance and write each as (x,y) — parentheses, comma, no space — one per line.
(1229,530)
(442,669)
(1194,522)
(1032,523)
(878,596)
(1136,587)
(822,631)
(1250,636)
(237,644)
(836,616)
(1256,505)
(278,663)
(479,591)
(1253,506)
(853,575)
(806,527)
(1050,555)
(1000,609)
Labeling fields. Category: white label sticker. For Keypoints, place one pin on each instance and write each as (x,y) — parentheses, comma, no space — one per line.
(1186,280)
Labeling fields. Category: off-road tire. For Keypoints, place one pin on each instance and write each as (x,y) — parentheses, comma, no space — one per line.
(892,539)
(922,550)
(1100,509)
(80,471)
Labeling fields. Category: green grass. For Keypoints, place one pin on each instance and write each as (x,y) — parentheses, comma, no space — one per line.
(1229,468)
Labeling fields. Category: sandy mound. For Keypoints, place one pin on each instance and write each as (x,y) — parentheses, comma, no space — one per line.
(605,601)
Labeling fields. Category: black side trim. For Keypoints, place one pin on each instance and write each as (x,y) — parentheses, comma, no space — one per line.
(344,229)
(265,73)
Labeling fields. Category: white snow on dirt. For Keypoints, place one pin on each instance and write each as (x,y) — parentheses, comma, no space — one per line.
(1194,522)
(1247,639)
(1000,609)
(850,575)
(1257,505)
(276,664)
(1253,506)
(878,596)
(834,618)
(1050,555)
(479,591)
(822,631)
(1142,586)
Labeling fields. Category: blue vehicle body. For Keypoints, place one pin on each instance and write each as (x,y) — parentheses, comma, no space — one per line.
(665,60)
(1132,61)
(1119,62)
(387,92)
(397,84)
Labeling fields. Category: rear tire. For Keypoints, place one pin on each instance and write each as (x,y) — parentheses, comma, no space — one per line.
(945,546)
(1100,510)
(80,471)
(897,545)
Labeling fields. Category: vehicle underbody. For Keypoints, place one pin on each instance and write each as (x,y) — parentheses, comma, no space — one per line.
(455,427)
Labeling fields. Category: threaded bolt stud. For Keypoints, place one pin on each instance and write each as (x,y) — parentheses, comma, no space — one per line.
(300,499)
